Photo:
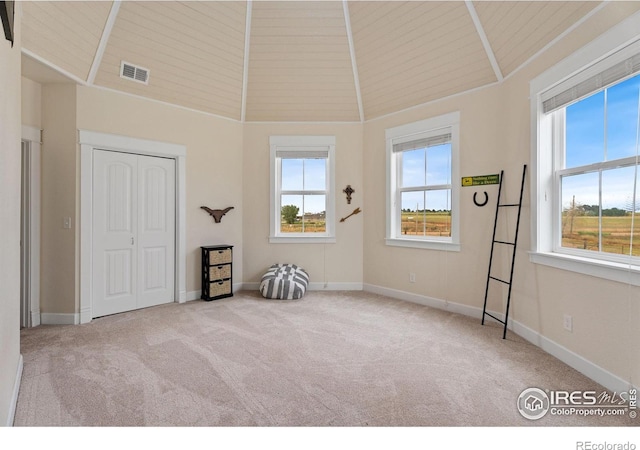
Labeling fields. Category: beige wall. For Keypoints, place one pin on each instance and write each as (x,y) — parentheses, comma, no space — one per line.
(10,134)
(331,263)
(58,245)
(31,103)
(495,135)
(214,163)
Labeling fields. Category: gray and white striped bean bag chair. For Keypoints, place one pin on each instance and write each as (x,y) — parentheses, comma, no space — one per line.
(284,282)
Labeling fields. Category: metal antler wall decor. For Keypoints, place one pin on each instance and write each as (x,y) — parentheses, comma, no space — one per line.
(217,213)
(348,190)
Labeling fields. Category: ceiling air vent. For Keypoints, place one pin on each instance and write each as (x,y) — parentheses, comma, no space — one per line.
(135,73)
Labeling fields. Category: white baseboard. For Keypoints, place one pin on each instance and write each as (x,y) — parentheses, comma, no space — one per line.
(14,396)
(35,318)
(570,358)
(59,319)
(193,295)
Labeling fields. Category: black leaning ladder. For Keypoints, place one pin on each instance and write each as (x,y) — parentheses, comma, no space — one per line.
(513,258)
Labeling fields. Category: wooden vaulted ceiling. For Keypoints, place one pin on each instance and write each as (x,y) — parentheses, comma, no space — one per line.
(294,60)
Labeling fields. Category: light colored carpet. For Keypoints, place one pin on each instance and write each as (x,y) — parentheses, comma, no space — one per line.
(329,359)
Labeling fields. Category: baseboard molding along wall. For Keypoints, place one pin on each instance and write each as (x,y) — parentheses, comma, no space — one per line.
(14,396)
(59,319)
(584,366)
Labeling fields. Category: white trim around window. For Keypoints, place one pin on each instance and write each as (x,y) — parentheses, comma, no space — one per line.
(425,133)
(617,44)
(301,147)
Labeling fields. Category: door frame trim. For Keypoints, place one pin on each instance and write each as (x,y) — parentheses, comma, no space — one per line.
(32,136)
(90,141)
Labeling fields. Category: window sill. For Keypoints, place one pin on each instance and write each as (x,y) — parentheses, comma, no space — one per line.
(623,273)
(419,243)
(302,240)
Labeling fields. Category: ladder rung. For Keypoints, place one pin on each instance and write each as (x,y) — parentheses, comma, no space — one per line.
(494,317)
(498,279)
(503,242)
(508,204)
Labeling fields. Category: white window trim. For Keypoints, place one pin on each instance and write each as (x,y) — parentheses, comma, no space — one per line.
(544,208)
(302,143)
(451,120)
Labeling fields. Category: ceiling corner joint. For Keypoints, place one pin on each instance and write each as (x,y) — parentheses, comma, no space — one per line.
(352,52)
(245,67)
(485,41)
(104,39)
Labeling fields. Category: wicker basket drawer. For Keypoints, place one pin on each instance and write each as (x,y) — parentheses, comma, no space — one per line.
(220,272)
(220,256)
(217,288)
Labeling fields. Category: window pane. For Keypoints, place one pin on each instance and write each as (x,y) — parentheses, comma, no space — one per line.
(580,210)
(303,214)
(292,174)
(291,220)
(412,217)
(315,174)
(438,216)
(622,118)
(314,217)
(434,219)
(439,164)
(617,205)
(585,131)
(413,168)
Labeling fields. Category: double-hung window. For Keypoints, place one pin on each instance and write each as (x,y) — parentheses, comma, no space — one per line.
(302,174)
(422,199)
(588,165)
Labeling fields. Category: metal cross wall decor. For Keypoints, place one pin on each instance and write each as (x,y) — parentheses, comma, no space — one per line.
(348,190)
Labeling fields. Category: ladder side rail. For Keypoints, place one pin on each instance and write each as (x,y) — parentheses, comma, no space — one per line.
(493,238)
(513,257)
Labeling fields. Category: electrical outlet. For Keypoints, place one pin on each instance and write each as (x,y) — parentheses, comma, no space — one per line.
(568,322)
(412,277)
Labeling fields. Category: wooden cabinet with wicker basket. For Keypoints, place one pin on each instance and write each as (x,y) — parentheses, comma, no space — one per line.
(217,265)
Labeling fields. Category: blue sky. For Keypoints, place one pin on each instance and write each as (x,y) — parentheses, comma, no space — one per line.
(424,167)
(304,174)
(591,137)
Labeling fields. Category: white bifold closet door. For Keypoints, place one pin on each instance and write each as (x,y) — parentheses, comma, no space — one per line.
(133,232)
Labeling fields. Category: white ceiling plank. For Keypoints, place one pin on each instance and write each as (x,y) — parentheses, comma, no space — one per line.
(245,70)
(352,52)
(485,41)
(558,38)
(106,32)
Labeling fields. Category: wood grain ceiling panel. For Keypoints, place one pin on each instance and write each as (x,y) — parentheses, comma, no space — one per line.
(66,34)
(194,51)
(413,52)
(299,63)
(517,30)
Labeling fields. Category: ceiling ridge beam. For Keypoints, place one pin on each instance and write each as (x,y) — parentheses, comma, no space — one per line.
(104,39)
(485,41)
(245,66)
(352,52)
